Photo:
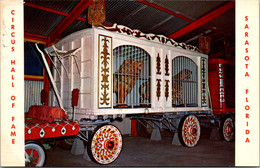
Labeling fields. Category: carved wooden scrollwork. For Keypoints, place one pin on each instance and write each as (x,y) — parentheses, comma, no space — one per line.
(158,90)
(104,71)
(203,82)
(167,89)
(166,66)
(158,64)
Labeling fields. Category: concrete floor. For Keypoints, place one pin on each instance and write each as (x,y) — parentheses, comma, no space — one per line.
(140,151)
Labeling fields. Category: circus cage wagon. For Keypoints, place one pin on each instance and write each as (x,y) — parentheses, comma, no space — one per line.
(102,74)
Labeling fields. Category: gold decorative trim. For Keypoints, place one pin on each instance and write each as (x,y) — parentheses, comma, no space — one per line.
(104,71)
(204,101)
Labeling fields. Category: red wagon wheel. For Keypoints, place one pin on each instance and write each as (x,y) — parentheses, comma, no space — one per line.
(105,144)
(34,155)
(227,129)
(189,131)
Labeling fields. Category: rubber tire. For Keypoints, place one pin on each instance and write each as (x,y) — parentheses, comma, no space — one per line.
(89,144)
(40,151)
(180,132)
(222,128)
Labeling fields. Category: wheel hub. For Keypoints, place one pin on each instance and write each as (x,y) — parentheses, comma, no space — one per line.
(30,160)
(229,129)
(109,144)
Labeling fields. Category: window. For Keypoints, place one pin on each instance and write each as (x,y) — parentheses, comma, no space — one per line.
(184,82)
(131,77)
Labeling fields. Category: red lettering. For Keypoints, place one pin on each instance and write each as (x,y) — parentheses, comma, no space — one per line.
(12,27)
(13,141)
(13,12)
(12,77)
(13,34)
(246,99)
(13,70)
(246,18)
(12,84)
(247,140)
(12,49)
(246,43)
(13,126)
(247,123)
(246,34)
(13,98)
(13,133)
(247,132)
(13,104)
(246,58)
(247,91)
(247,74)
(13,41)
(246,26)
(12,62)
(246,66)
(247,115)
(246,50)
(247,107)
(13,118)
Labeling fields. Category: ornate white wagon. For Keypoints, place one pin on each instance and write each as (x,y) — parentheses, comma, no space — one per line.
(121,72)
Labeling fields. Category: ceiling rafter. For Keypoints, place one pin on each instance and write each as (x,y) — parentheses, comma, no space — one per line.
(64,24)
(35,37)
(52,10)
(203,20)
(178,15)
(165,10)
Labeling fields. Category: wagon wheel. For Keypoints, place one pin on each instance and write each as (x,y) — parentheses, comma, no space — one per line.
(105,144)
(189,131)
(227,129)
(34,155)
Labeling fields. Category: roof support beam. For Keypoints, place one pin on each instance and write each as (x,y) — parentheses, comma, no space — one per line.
(176,14)
(64,24)
(164,10)
(203,20)
(35,37)
(51,10)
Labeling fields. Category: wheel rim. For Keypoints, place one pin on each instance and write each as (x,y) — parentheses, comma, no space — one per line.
(106,144)
(191,131)
(228,129)
(34,155)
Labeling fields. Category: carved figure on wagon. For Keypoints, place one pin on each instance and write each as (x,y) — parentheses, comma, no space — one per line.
(178,80)
(125,78)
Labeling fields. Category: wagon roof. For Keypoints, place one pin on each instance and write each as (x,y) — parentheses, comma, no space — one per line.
(153,37)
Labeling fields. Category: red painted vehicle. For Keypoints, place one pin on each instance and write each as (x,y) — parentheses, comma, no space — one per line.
(43,122)
(220,93)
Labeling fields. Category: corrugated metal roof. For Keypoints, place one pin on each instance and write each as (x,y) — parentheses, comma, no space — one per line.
(40,22)
(60,5)
(193,9)
(139,16)
(135,15)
